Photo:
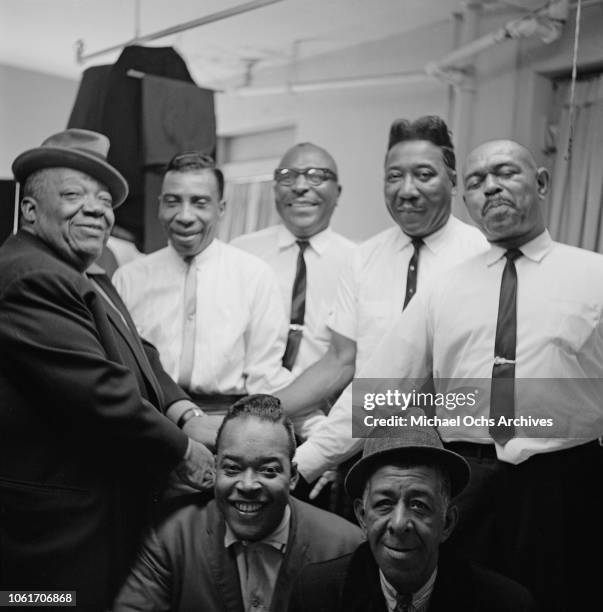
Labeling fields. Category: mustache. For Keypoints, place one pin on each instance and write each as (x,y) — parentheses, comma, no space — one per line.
(496,201)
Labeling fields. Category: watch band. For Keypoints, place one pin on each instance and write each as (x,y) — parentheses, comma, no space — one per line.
(187,415)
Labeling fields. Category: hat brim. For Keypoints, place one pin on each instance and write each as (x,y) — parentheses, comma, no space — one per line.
(62,157)
(457,466)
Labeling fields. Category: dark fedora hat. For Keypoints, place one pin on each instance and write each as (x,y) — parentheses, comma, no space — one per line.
(82,150)
(415,443)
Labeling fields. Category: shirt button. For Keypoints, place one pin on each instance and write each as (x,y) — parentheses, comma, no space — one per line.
(412,268)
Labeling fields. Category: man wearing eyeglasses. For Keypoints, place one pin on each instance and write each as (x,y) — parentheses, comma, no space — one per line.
(306,255)
(213,311)
(382,277)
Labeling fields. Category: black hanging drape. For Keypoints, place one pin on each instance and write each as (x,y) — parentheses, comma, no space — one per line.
(147,120)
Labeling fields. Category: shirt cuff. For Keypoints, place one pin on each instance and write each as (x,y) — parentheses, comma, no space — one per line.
(311,463)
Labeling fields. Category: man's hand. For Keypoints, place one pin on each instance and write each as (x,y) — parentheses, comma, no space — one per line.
(327,477)
(204,429)
(196,472)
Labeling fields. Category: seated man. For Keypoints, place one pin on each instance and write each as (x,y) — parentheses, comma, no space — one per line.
(244,549)
(402,489)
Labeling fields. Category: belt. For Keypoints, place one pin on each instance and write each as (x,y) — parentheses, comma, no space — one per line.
(214,402)
(472,449)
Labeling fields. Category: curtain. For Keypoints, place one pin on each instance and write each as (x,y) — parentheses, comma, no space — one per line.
(249,207)
(577,189)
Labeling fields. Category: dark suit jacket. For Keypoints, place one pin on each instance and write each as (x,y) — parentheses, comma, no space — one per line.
(184,565)
(351,584)
(82,441)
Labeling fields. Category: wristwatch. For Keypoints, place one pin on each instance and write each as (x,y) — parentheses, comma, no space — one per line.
(188,414)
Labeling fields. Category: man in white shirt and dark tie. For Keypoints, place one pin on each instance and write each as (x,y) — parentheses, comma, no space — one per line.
(382,277)
(305,253)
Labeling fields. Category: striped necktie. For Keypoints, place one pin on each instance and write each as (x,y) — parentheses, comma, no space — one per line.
(298,308)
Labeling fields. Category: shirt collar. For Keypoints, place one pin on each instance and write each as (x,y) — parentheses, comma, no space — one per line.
(210,251)
(95,270)
(277,539)
(319,242)
(420,599)
(536,249)
(434,242)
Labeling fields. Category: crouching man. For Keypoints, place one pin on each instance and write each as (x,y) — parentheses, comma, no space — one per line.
(402,489)
(243,550)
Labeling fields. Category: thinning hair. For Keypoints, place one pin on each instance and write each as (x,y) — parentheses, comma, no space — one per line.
(429,127)
(194,161)
(265,408)
(310,145)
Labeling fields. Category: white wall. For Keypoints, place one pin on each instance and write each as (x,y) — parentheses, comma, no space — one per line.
(511,97)
(353,123)
(33,106)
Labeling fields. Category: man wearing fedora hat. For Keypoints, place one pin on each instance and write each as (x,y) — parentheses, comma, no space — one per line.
(402,489)
(83,443)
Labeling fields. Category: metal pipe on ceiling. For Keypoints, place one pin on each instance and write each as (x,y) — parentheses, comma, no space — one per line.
(82,57)
(413,76)
(547,23)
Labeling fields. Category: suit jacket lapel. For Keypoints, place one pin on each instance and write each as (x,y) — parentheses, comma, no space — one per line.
(362,589)
(296,556)
(128,332)
(222,562)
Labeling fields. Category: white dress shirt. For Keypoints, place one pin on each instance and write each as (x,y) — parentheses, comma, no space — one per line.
(450,328)
(241,327)
(372,288)
(370,297)
(325,258)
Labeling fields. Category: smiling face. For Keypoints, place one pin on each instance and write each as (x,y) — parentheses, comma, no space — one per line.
(503,189)
(254,476)
(190,209)
(71,212)
(304,208)
(405,517)
(418,187)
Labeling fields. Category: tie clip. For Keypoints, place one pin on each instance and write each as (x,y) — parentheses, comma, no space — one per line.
(502,360)
(296,327)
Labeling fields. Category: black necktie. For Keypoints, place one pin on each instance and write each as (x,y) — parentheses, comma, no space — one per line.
(413,269)
(403,602)
(298,308)
(502,395)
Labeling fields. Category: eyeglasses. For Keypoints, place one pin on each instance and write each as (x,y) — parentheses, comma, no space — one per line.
(191,160)
(314,176)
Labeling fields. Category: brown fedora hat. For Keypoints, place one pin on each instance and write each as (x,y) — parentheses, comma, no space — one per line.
(82,150)
(414,443)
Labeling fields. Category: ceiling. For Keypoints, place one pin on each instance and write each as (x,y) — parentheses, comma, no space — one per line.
(41,34)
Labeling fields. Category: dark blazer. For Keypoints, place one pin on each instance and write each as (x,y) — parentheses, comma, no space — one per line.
(351,584)
(82,442)
(184,565)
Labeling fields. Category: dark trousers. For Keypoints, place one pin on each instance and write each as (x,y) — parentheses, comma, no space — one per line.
(538,522)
